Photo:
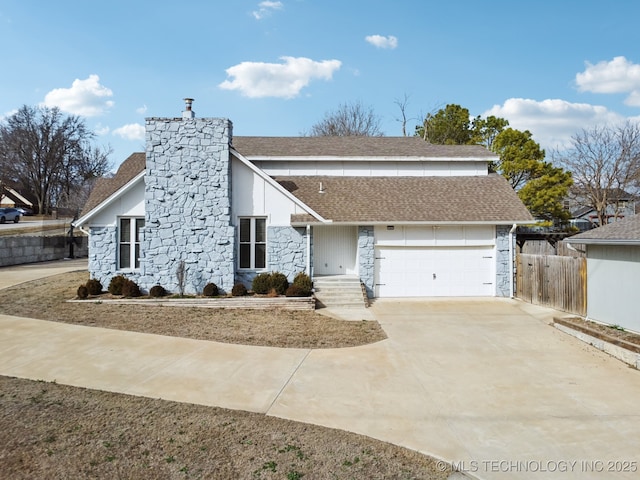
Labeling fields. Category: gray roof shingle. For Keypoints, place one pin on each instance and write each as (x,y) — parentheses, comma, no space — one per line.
(105,187)
(355,146)
(356,199)
(625,231)
(409,199)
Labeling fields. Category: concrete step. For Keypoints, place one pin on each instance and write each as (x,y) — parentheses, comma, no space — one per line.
(339,291)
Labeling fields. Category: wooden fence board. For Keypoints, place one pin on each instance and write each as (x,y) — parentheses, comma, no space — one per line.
(553,281)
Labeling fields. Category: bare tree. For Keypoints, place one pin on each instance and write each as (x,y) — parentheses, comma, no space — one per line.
(48,153)
(349,119)
(402,105)
(604,162)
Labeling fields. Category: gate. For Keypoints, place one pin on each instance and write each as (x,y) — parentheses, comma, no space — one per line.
(553,281)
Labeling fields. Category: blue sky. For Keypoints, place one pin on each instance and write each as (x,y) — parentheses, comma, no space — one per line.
(277,67)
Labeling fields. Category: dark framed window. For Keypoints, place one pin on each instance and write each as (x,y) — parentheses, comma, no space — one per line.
(252,245)
(129,242)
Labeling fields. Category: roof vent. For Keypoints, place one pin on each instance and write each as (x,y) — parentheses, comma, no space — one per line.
(188,113)
(321,188)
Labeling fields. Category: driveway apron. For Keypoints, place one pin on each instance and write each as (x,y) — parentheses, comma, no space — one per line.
(484,383)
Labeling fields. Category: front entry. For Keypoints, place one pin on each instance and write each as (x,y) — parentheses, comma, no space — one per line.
(335,250)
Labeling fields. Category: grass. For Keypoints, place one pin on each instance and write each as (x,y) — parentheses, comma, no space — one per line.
(57,431)
(46,299)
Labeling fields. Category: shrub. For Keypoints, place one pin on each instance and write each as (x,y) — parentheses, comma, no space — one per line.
(296,291)
(94,287)
(115,285)
(279,282)
(239,290)
(130,288)
(83,292)
(210,290)
(303,281)
(157,291)
(261,283)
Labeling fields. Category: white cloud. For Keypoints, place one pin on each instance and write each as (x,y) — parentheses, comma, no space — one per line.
(266,8)
(283,80)
(552,122)
(617,76)
(85,97)
(132,131)
(379,41)
(141,110)
(101,129)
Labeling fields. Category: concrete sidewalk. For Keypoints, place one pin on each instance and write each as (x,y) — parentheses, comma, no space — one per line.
(485,383)
(16,274)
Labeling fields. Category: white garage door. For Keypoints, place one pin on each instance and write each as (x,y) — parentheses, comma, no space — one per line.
(435,271)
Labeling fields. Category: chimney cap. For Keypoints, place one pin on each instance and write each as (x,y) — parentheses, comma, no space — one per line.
(188,113)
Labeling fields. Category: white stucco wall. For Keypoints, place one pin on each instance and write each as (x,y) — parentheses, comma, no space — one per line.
(612,285)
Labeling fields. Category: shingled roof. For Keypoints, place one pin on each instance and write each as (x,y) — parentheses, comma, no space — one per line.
(356,146)
(622,232)
(105,187)
(409,199)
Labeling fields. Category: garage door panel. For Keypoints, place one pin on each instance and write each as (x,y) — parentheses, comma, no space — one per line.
(435,271)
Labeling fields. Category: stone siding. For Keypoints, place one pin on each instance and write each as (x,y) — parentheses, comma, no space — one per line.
(366,259)
(286,253)
(187,205)
(503,261)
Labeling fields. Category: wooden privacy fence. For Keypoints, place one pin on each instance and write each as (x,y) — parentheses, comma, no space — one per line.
(553,281)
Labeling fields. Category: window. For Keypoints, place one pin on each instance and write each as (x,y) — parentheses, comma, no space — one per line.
(129,243)
(253,243)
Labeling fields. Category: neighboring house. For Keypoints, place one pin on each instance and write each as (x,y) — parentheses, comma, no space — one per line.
(613,270)
(621,204)
(406,217)
(9,197)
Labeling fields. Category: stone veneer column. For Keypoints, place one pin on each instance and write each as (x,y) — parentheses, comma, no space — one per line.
(366,259)
(188,204)
(287,250)
(102,253)
(503,271)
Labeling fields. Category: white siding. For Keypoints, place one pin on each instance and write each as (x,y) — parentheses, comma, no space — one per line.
(252,195)
(436,235)
(131,204)
(334,250)
(364,168)
(613,276)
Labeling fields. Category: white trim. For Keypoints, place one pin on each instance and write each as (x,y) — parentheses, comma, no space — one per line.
(110,199)
(18,196)
(352,158)
(277,186)
(417,222)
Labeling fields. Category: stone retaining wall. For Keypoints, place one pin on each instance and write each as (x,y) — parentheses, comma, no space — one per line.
(21,249)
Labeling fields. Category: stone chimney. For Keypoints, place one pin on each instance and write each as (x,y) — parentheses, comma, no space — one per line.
(188,113)
(188,203)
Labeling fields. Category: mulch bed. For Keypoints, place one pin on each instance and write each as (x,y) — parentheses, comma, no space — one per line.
(613,335)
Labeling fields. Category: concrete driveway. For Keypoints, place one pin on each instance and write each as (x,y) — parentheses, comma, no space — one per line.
(484,383)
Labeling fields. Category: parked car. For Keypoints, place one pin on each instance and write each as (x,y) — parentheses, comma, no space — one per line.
(9,215)
(24,211)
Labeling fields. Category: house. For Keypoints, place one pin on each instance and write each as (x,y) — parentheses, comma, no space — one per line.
(10,197)
(406,217)
(613,270)
(621,204)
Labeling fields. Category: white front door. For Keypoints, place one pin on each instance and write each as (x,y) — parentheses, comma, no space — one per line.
(435,271)
(334,250)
